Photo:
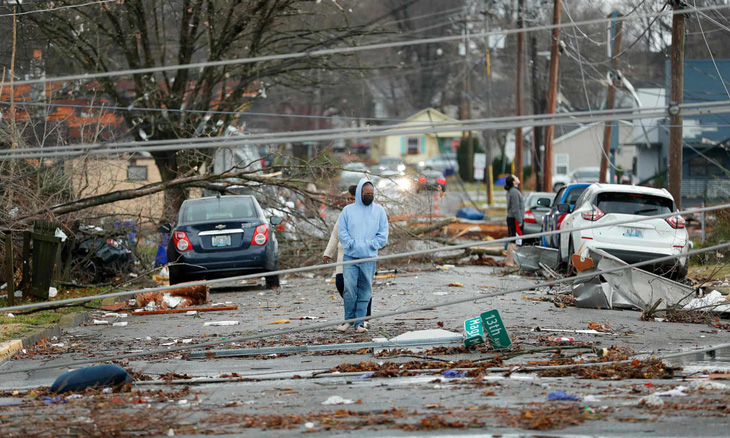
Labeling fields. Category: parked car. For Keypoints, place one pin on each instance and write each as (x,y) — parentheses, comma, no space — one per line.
(431,180)
(537,205)
(222,236)
(394,184)
(352,174)
(580,175)
(391,163)
(553,219)
(447,164)
(633,242)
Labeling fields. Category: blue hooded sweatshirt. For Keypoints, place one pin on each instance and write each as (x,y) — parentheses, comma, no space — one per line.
(362,229)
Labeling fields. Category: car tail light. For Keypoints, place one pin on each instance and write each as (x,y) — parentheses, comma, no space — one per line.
(114,244)
(530,217)
(676,222)
(593,215)
(441,181)
(263,163)
(422,180)
(281,227)
(182,243)
(261,235)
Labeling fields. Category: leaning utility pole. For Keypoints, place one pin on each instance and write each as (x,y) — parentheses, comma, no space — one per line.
(518,87)
(615,45)
(466,105)
(552,98)
(538,107)
(676,97)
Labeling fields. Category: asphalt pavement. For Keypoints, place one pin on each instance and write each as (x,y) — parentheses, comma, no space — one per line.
(285,394)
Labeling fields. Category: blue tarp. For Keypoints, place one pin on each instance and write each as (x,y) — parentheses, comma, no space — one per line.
(470,213)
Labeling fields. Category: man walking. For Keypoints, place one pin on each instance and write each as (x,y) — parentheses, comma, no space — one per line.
(363,230)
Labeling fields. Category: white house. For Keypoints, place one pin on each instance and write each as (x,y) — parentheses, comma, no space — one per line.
(583,147)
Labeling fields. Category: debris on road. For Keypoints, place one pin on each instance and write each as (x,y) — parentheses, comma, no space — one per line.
(186,310)
(184,296)
(529,258)
(279,321)
(99,376)
(712,302)
(220,323)
(337,400)
(562,396)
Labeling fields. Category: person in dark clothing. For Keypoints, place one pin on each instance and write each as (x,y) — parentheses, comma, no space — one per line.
(515,214)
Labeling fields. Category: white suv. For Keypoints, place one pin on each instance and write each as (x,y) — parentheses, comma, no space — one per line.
(634,242)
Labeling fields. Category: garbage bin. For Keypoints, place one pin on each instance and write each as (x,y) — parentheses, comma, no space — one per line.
(45,248)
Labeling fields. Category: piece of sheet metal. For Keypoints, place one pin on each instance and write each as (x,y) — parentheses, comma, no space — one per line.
(528,258)
(635,288)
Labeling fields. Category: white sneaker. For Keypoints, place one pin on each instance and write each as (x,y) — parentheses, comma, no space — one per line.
(344,327)
(366,324)
(362,329)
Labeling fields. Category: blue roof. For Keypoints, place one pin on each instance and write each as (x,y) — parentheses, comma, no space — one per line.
(703,84)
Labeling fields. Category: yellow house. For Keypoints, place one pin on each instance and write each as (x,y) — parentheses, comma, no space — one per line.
(96,175)
(416,148)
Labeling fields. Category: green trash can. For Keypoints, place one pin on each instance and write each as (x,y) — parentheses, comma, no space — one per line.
(45,248)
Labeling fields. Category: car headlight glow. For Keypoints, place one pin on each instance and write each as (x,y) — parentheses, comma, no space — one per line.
(404,183)
(401,167)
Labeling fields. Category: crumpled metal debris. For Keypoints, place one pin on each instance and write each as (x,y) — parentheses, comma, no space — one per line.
(529,258)
(627,288)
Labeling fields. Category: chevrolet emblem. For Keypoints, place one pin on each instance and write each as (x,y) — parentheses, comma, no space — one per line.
(219,227)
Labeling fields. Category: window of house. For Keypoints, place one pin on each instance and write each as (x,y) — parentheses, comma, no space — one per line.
(136,173)
(562,164)
(414,146)
(702,167)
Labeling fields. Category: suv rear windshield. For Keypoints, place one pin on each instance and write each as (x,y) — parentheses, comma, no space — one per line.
(574,194)
(217,209)
(634,203)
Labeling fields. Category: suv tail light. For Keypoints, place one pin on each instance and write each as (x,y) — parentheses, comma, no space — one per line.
(261,235)
(676,222)
(182,243)
(593,215)
(422,180)
(441,181)
(530,217)
(561,218)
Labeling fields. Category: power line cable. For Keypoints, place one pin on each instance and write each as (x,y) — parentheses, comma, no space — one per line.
(322,135)
(55,8)
(341,50)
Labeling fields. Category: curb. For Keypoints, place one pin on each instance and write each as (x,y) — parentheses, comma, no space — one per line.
(9,348)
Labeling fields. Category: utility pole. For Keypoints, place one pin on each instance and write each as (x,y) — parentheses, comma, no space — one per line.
(465,104)
(552,97)
(518,87)
(615,45)
(488,133)
(538,106)
(676,97)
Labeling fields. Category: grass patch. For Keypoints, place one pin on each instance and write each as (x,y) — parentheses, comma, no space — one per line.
(22,324)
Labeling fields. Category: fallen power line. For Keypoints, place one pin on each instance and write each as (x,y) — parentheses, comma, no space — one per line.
(79,300)
(475,299)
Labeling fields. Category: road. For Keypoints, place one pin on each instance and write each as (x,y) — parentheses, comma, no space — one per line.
(281,394)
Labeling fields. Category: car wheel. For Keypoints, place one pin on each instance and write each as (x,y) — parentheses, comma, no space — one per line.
(85,271)
(272,281)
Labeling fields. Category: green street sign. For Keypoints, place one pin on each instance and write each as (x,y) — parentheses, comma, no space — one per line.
(497,332)
(474,332)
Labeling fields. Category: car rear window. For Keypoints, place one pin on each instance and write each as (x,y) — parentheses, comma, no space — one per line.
(574,194)
(634,203)
(218,209)
(587,174)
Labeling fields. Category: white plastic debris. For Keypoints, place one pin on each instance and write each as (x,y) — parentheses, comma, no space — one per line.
(151,306)
(674,392)
(171,301)
(167,344)
(187,341)
(100,322)
(60,234)
(107,391)
(309,425)
(111,315)
(708,384)
(164,272)
(191,312)
(57,345)
(651,401)
(170,432)
(74,397)
(220,323)
(133,275)
(120,324)
(52,292)
(337,400)
(10,315)
(714,301)
(182,402)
